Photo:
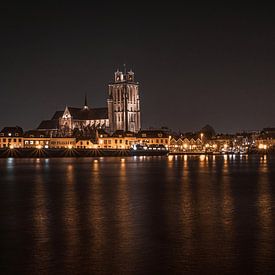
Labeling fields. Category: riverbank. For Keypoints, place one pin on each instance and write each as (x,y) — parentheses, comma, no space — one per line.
(61,153)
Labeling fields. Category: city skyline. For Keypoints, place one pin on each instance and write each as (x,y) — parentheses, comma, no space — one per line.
(195,65)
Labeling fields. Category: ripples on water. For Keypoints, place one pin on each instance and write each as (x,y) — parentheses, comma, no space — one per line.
(138,215)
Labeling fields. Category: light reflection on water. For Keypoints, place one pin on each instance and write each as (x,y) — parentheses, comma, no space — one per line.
(137,214)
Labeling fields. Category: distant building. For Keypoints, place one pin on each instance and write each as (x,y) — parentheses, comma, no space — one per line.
(122,111)
(36,139)
(123,103)
(11,137)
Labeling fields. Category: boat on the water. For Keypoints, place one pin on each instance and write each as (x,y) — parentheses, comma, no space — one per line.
(149,150)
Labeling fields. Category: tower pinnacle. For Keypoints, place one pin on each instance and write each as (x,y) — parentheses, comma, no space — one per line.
(86,103)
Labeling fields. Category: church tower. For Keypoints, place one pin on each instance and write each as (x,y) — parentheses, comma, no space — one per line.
(123,103)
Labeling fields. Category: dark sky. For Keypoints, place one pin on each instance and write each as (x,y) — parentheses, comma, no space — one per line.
(196,64)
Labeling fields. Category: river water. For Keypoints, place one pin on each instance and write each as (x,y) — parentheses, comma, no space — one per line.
(138,215)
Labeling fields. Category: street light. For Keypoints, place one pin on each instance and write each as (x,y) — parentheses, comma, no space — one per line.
(201,141)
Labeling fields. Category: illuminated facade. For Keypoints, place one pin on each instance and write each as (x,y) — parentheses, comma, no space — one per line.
(123,103)
(11,137)
(122,111)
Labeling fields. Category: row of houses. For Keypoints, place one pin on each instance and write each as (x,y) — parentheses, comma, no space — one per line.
(15,137)
(239,142)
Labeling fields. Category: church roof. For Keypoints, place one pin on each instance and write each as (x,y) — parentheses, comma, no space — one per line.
(48,125)
(35,133)
(58,114)
(84,114)
(12,131)
(152,134)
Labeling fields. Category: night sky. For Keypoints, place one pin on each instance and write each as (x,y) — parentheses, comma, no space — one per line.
(196,65)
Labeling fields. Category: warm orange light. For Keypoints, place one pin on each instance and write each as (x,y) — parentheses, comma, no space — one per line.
(262,146)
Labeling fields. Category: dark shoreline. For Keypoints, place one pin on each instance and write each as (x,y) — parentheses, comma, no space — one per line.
(62,153)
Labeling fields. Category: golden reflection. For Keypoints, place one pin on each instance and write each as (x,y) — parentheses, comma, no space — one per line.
(124,215)
(187,208)
(264,203)
(170,158)
(185,167)
(70,214)
(96,210)
(225,158)
(263,159)
(227,201)
(170,161)
(202,162)
(202,158)
(40,223)
(95,166)
(227,209)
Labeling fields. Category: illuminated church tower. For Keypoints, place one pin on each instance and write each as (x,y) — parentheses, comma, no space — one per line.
(123,103)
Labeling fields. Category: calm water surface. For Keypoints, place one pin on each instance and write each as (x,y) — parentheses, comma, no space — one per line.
(138,215)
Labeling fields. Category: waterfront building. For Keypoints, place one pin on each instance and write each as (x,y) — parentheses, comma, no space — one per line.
(62,142)
(122,111)
(124,103)
(153,137)
(11,137)
(190,142)
(126,140)
(36,139)
(63,123)
(266,139)
(118,140)
(85,144)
